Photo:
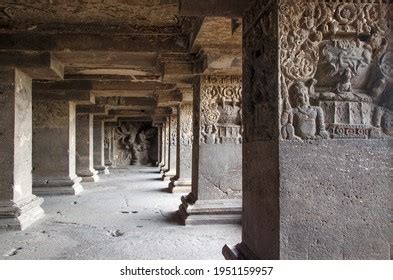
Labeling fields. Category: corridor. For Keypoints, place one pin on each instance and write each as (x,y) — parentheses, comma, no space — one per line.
(127,215)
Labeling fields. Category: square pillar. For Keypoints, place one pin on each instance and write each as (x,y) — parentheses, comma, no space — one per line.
(182,181)
(98,145)
(172,150)
(318,110)
(217,153)
(84,148)
(159,143)
(54,163)
(165,166)
(108,144)
(19,208)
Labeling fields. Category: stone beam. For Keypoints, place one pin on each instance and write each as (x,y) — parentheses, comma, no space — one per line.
(125,102)
(180,68)
(43,66)
(93,42)
(222,8)
(100,86)
(92,109)
(134,119)
(168,99)
(79,97)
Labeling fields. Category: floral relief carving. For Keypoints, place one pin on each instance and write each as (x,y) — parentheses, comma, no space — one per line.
(220,109)
(335,61)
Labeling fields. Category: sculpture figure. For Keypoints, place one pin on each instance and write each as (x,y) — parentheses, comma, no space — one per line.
(304,121)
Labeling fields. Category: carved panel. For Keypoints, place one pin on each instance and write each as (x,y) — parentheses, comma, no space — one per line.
(220,109)
(133,142)
(186,124)
(335,69)
(173,132)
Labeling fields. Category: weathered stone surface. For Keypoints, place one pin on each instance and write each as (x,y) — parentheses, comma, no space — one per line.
(217,150)
(18,207)
(172,149)
(182,181)
(98,146)
(54,171)
(84,148)
(315,163)
(36,65)
(219,8)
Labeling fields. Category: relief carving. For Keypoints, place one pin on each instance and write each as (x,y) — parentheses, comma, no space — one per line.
(220,103)
(133,142)
(173,132)
(335,57)
(186,125)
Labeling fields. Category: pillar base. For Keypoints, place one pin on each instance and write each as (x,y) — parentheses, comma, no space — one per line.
(102,169)
(239,252)
(57,186)
(168,175)
(205,212)
(89,176)
(20,215)
(180,186)
(108,164)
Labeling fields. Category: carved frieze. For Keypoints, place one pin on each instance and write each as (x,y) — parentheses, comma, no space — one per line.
(220,109)
(335,62)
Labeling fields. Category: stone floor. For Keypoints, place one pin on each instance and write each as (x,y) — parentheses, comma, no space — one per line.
(127,215)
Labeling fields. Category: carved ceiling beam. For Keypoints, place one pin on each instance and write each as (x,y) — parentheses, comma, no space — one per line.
(93,42)
(222,8)
(43,66)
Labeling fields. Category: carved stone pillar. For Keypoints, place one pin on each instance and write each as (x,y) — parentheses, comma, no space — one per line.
(84,148)
(182,181)
(217,153)
(165,167)
(108,144)
(317,151)
(54,166)
(172,149)
(19,208)
(98,145)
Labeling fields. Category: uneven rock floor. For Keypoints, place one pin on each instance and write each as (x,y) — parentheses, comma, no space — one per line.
(127,215)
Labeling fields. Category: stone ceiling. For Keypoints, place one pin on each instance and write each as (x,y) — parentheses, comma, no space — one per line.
(115,12)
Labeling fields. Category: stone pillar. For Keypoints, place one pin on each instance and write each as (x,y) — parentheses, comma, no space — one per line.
(159,144)
(165,166)
(317,150)
(84,148)
(217,153)
(182,181)
(98,146)
(171,170)
(19,208)
(108,144)
(54,168)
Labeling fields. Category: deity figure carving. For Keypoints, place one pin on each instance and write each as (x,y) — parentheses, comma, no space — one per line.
(132,144)
(303,121)
(209,134)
